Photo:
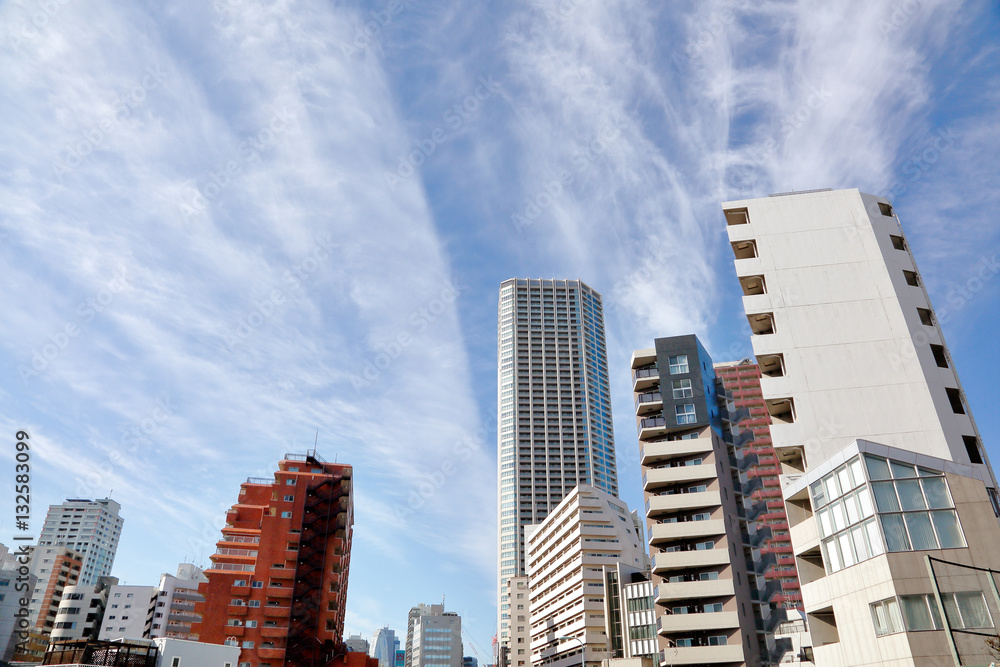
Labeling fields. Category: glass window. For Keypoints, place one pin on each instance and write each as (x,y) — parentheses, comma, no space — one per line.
(865,501)
(839,518)
(833,556)
(936,492)
(885,497)
(972,606)
(895,532)
(902,470)
(874,538)
(886,617)
(682,388)
(860,545)
(851,505)
(857,470)
(685,413)
(844,540)
(818,494)
(832,492)
(921,533)
(678,364)
(946,525)
(877,468)
(844,476)
(910,496)
(826,525)
(917,613)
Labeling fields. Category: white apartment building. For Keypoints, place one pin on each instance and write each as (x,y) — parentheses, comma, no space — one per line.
(54,568)
(554,410)
(566,556)
(129,612)
(884,469)
(519,653)
(81,611)
(177,596)
(433,637)
(91,527)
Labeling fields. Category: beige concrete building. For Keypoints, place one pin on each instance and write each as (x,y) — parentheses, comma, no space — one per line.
(519,654)
(687,433)
(884,469)
(566,556)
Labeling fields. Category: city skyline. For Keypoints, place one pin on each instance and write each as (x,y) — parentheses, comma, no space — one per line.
(230,224)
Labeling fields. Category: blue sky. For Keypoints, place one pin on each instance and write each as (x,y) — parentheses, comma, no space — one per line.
(225,224)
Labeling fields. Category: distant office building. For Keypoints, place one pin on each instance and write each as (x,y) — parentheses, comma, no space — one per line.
(90,527)
(277,586)
(433,637)
(129,612)
(889,494)
(55,568)
(469,661)
(81,610)
(566,555)
(383,647)
(175,606)
(629,612)
(356,643)
(688,434)
(554,408)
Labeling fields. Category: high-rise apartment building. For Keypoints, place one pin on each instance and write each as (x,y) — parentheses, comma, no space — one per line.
(129,612)
(91,527)
(888,491)
(629,612)
(778,583)
(433,637)
(277,586)
(176,600)
(554,409)
(55,568)
(81,610)
(688,435)
(567,553)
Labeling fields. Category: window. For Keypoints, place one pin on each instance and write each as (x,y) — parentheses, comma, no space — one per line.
(920,612)
(885,616)
(966,610)
(678,364)
(682,388)
(175,661)
(257,584)
(248,644)
(925,317)
(939,357)
(286,515)
(911,278)
(955,398)
(885,209)
(289,499)
(897,242)
(685,413)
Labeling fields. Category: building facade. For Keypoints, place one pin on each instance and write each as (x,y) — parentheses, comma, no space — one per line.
(90,527)
(629,613)
(176,600)
(55,568)
(383,647)
(277,585)
(433,637)
(886,482)
(82,609)
(14,587)
(567,553)
(554,411)
(129,612)
(688,437)
(356,643)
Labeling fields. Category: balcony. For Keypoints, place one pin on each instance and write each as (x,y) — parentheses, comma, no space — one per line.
(656,477)
(652,453)
(236,610)
(231,630)
(668,532)
(276,612)
(652,427)
(271,653)
(704,655)
(645,378)
(648,402)
(282,572)
(279,593)
(670,624)
(683,501)
(690,590)
(280,631)
(682,560)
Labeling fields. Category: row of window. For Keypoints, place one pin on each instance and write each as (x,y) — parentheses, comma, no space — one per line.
(964,610)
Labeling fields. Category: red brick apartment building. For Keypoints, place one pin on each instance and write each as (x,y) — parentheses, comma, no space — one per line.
(277,585)
(759,466)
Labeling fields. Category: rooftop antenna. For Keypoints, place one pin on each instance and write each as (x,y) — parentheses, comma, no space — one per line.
(316,441)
